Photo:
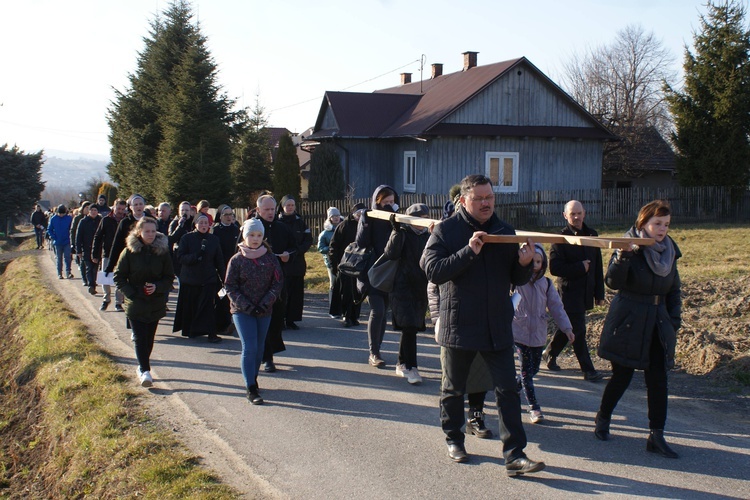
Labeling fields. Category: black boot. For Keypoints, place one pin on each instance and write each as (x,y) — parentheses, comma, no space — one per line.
(602,427)
(253,395)
(657,444)
(475,424)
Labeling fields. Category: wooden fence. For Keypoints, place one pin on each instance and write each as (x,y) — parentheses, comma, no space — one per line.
(543,209)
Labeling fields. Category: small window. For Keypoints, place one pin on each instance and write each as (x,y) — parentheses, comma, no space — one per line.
(410,171)
(502,169)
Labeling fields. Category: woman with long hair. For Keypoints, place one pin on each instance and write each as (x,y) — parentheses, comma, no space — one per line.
(144,275)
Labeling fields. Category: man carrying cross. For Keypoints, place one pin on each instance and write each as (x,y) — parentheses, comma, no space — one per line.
(476,315)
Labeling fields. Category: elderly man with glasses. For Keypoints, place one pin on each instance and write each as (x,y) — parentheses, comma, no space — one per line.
(476,315)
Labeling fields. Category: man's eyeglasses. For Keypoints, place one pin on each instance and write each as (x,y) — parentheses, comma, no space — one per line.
(480,200)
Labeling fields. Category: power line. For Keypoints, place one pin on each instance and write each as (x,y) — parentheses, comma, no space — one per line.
(349,87)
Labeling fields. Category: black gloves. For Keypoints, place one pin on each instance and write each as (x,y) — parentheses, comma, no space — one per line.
(395,225)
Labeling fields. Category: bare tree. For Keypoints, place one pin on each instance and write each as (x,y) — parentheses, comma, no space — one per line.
(622,85)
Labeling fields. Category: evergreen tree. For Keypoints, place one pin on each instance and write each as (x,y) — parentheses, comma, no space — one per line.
(286,178)
(712,112)
(171,131)
(20,181)
(326,174)
(251,163)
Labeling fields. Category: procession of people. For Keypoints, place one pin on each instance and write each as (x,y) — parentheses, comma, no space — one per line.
(489,302)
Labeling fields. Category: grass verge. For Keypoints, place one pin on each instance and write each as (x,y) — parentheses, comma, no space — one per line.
(69,424)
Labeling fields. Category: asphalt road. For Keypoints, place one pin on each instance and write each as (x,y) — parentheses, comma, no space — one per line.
(334,427)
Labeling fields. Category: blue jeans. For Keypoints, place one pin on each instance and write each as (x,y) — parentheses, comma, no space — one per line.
(252,331)
(63,251)
(39,233)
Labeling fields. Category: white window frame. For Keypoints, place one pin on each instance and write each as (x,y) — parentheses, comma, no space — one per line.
(410,172)
(502,156)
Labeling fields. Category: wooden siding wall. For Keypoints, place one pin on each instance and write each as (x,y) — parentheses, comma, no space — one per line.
(442,162)
(543,209)
(523,100)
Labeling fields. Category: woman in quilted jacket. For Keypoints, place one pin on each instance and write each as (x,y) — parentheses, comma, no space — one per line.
(253,283)
(640,331)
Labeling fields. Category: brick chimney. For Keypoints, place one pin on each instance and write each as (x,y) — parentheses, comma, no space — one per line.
(470,60)
(405,78)
(437,70)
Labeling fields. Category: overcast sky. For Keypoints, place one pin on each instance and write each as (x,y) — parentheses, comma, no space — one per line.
(61,59)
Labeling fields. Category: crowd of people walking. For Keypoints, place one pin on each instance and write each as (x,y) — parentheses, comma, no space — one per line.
(489,303)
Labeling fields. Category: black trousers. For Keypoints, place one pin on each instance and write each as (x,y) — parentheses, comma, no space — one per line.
(295,302)
(91,271)
(407,349)
(350,305)
(580,346)
(656,386)
(274,338)
(144,334)
(503,370)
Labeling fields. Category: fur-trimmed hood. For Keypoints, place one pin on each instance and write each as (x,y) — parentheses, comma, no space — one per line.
(160,245)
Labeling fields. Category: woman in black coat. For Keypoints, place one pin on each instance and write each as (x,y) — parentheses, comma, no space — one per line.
(409,295)
(294,272)
(227,231)
(201,266)
(374,233)
(345,233)
(639,332)
(144,275)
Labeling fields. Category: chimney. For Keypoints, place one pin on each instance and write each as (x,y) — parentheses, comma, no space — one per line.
(405,78)
(437,70)
(470,60)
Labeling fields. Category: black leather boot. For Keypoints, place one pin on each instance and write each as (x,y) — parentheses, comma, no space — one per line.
(602,427)
(475,424)
(254,396)
(657,444)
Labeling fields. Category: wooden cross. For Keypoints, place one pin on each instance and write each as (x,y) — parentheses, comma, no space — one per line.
(522,236)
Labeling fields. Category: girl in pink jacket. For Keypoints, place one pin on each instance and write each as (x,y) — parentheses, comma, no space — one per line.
(538,297)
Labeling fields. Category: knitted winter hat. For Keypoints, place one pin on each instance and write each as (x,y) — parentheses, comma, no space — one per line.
(251,225)
(332,212)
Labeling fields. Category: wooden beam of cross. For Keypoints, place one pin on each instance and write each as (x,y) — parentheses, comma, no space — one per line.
(522,236)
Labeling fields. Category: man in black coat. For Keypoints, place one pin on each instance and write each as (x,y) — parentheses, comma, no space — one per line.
(84,245)
(101,205)
(581,285)
(163,218)
(476,315)
(283,245)
(39,221)
(82,212)
(103,239)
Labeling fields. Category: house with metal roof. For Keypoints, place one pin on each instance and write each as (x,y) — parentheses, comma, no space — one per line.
(507,120)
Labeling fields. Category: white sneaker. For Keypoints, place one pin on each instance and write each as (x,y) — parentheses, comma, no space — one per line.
(145,378)
(536,416)
(401,371)
(413,376)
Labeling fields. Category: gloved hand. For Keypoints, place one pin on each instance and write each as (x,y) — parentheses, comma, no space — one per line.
(395,225)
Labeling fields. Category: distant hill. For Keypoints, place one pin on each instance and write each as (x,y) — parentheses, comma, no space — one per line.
(67,169)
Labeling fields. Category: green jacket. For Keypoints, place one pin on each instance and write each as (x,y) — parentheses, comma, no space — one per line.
(140,264)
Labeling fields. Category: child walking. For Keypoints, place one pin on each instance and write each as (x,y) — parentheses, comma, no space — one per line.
(253,283)
(530,327)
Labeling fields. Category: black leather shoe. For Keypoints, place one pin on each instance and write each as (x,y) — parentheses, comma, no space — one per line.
(602,427)
(92,290)
(104,306)
(253,395)
(457,453)
(523,465)
(552,365)
(347,323)
(657,444)
(269,367)
(214,339)
(292,325)
(118,308)
(593,376)
(475,425)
